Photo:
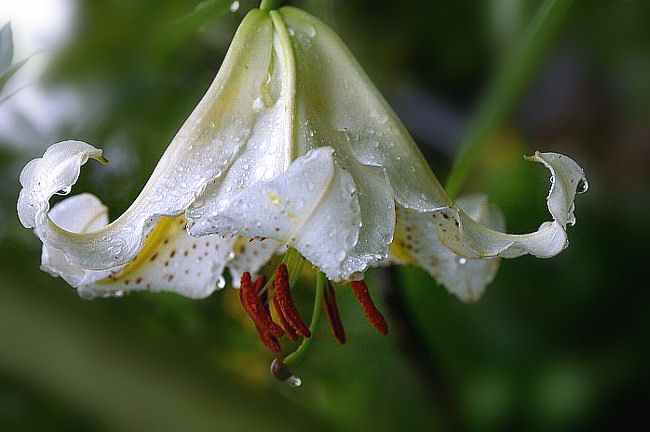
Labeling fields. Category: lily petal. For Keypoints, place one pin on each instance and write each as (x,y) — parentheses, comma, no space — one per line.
(417,242)
(203,149)
(352,110)
(312,207)
(470,239)
(251,255)
(170,259)
(80,213)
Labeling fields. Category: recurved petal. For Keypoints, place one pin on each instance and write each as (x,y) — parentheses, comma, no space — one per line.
(468,238)
(471,238)
(79,213)
(312,206)
(199,154)
(170,260)
(54,173)
(417,241)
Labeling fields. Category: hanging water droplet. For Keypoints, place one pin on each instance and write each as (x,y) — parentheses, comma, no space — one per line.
(234,6)
(461,260)
(293,381)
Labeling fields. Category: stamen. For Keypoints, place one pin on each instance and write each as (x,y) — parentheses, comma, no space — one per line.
(269,341)
(285,302)
(255,308)
(333,316)
(288,329)
(375,317)
(257,286)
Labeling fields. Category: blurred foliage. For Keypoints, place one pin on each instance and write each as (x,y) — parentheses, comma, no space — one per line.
(559,344)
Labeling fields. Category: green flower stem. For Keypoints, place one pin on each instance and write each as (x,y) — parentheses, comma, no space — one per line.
(266,5)
(292,358)
(504,91)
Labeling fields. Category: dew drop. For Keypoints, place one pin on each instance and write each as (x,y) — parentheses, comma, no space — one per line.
(221,282)
(293,381)
(234,6)
(461,260)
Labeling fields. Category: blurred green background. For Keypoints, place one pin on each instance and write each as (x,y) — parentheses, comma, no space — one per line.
(558,344)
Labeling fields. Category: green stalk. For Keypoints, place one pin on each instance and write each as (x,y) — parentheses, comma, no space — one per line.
(294,262)
(505,89)
(292,358)
(267,5)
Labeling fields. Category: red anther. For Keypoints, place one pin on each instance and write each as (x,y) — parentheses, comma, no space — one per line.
(288,329)
(269,341)
(257,287)
(255,308)
(285,302)
(375,317)
(333,316)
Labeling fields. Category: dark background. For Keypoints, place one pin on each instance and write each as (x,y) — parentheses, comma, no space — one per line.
(558,344)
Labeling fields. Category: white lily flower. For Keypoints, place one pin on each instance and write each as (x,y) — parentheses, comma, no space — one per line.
(292,145)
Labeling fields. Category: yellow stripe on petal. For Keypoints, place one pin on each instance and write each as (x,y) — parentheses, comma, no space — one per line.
(163,229)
